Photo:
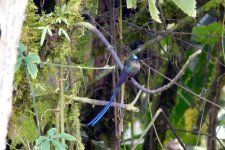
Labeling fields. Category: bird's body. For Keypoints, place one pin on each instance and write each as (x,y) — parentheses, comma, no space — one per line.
(131,67)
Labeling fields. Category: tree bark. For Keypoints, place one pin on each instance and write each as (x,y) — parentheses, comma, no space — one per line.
(12,14)
(213,111)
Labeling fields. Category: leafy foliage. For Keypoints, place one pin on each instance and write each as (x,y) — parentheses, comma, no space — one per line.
(189,7)
(185,111)
(61,30)
(131,4)
(44,142)
(45,30)
(204,34)
(31,60)
(153,10)
(40,35)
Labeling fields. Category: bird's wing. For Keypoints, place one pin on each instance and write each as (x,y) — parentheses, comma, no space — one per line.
(123,77)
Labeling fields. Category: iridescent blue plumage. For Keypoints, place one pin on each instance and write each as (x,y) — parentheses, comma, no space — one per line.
(131,67)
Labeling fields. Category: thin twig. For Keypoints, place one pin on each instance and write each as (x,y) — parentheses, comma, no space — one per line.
(193,132)
(218,140)
(173,130)
(172,81)
(161,34)
(136,98)
(156,133)
(144,46)
(46,112)
(61,101)
(13,148)
(148,127)
(222,38)
(202,111)
(34,102)
(79,67)
(129,107)
(186,89)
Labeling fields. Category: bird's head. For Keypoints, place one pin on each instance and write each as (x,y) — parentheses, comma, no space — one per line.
(133,57)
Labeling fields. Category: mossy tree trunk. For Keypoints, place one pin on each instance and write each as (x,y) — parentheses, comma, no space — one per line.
(11,20)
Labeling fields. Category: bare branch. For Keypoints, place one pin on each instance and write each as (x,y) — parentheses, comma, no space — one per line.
(172,81)
(129,107)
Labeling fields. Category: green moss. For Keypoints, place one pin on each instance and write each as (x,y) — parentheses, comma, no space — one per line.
(46,111)
(76,114)
(22,128)
(74,125)
(31,35)
(82,50)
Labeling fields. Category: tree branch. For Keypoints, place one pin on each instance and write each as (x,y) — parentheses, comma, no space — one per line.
(115,56)
(129,107)
(161,89)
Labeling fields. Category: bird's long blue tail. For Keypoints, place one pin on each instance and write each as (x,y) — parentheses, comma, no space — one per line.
(100,115)
(122,79)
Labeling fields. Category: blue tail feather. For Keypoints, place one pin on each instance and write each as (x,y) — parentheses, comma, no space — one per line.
(100,115)
(122,78)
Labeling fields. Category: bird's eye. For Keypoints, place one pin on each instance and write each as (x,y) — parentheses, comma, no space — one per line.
(129,78)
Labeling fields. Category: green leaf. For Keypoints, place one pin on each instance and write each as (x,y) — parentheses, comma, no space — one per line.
(66,35)
(208,34)
(20,57)
(41,28)
(32,68)
(63,8)
(49,15)
(187,6)
(43,35)
(153,10)
(34,58)
(44,32)
(49,31)
(41,139)
(21,48)
(64,145)
(131,4)
(45,145)
(30,61)
(58,145)
(65,136)
(39,86)
(18,63)
(52,131)
(65,20)
(60,31)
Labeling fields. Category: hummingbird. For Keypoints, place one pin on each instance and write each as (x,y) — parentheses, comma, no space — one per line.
(131,67)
